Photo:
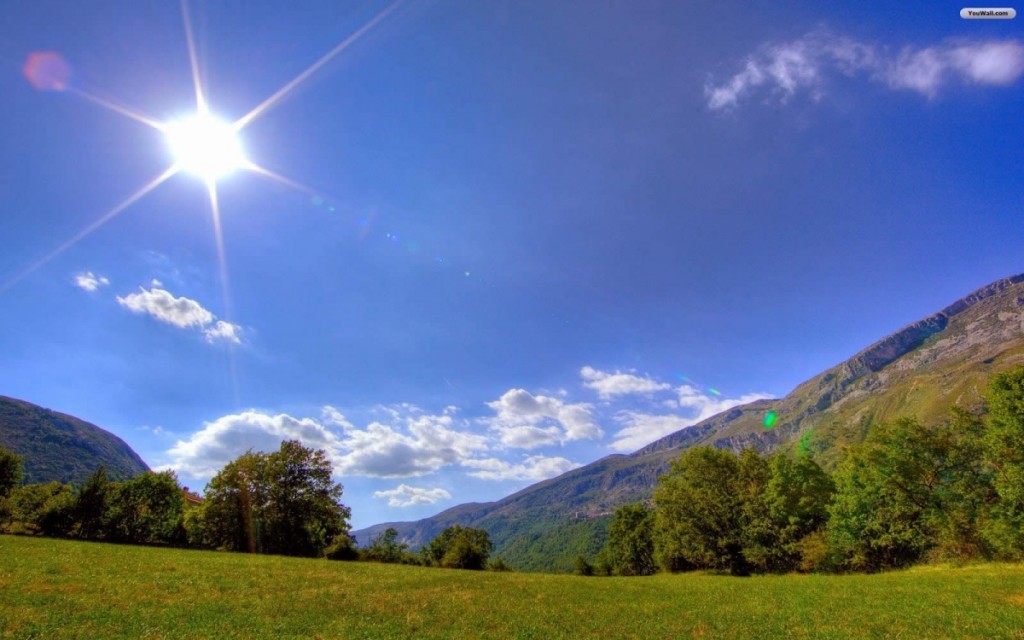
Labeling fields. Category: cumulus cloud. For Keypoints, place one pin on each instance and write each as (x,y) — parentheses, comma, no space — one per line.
(806,64)
(182,312)
(418,445)
(226,438)
(526,421)
(223,331)
(427,443)
(643,428)
(609,385)
(90,281)
(406,496)
(533,468)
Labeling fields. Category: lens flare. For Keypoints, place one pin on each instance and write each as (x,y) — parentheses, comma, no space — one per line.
(770,419)
(47,71)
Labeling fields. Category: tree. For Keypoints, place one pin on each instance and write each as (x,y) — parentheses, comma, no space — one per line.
(234,503)
(458,547)
(148,509)
(908,490)
(1004,453)
(629,550)
(92,505)
(386,548)
(786,501)
(582,566)
(46,509)
(10,472)
(283,502)
(698,513)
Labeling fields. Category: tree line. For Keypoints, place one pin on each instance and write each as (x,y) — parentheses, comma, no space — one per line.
(284,502)
(909,493)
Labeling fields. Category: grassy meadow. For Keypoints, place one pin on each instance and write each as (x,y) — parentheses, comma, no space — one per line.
(66,589)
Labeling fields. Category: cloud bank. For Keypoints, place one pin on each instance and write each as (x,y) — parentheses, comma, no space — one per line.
(406,496)
(807,64)
(415,444)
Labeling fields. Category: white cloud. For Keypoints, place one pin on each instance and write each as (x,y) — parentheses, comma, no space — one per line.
(808,62)
(223,331)
(419,445)
(184,313)
(706,406)
(644,428)
(405,496)
(90,281)
(526,421)
(609,385)
(226,438)
(533,468)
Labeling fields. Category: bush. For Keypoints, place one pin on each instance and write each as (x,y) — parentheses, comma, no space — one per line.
(342,547)
(498,565)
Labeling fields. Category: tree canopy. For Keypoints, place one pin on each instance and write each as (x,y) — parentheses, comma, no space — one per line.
(283,502)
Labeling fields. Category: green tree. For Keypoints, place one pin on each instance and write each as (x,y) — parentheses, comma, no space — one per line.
(343,547)
(148,509)
(234,505)
(10,472)
(386,548)
(458,547)
(1004,453)
(698,515)
(46,509)
(583,566)
(908,490)
(785,501)
(92,505)
(283,502)
(629,550)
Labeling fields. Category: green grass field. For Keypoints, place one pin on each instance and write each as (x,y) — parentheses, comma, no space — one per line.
(64,589)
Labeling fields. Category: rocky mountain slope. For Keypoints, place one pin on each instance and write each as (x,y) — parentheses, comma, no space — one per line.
(921,370)
(55,446)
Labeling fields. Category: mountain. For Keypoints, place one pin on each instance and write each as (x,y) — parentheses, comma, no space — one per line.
(56,446)
(921,370)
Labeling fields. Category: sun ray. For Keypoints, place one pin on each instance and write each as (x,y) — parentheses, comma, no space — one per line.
(277,177)
(117,108)
(193,59)
(327,57)
(102,220)
(218,237)
(225,288)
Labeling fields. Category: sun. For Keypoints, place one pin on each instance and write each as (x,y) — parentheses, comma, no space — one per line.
(201,144)
(205,146)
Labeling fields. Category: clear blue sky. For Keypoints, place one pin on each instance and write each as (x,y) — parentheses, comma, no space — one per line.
(534,233)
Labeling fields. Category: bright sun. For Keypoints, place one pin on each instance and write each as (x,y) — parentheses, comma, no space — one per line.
(205,146)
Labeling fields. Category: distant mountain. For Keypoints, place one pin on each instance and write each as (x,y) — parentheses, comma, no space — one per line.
(921,370)
(56,446)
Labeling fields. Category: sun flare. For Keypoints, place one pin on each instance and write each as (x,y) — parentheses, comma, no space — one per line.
(205,146)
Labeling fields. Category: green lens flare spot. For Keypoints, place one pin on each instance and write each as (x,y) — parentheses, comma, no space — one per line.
(770,419)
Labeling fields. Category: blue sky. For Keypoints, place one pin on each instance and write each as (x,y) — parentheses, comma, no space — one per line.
(515,236)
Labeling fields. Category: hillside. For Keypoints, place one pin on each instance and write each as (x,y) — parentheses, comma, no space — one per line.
(55,446)
(920,370)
